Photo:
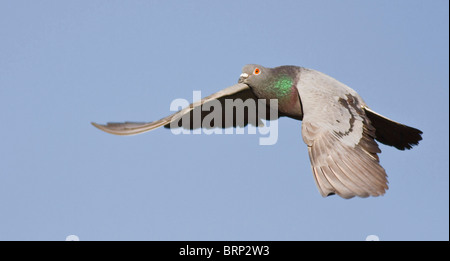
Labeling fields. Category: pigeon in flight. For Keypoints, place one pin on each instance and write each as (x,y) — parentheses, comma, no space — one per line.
(337,126)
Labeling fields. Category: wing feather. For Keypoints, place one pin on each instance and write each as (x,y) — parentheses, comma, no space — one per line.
(340,138)
(237,91)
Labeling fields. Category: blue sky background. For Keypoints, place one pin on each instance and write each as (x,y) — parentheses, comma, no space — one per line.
(64,64)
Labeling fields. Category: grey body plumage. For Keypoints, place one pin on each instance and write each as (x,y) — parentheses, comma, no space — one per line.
(338,127)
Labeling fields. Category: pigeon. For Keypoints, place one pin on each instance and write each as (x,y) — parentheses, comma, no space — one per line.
(339,129)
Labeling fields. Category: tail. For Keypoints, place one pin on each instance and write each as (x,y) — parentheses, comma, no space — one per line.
(393,133)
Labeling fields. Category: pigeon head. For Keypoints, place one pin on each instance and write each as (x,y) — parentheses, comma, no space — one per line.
(271,83)
(275,83)
(254,75)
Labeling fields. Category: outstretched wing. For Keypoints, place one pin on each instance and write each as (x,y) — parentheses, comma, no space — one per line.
(340,138)
(237,91)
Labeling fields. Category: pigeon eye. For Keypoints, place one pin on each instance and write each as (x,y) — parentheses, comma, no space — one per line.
(256,71)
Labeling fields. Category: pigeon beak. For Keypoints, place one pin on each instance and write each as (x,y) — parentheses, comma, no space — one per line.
(242,77)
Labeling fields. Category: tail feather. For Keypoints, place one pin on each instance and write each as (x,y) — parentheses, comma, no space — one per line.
(393,133)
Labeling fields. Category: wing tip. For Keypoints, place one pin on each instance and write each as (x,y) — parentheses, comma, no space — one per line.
(103,128)
(352,195)
(107,128)
(96,124)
